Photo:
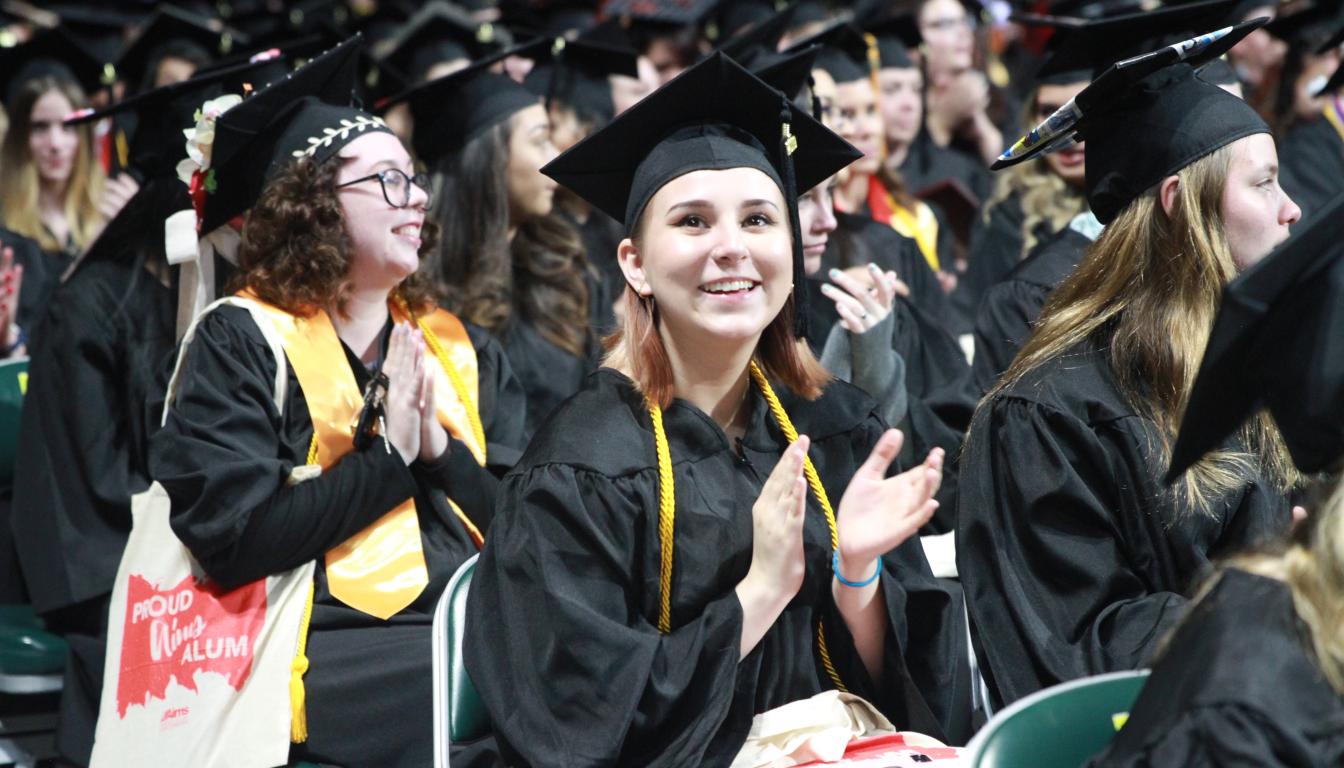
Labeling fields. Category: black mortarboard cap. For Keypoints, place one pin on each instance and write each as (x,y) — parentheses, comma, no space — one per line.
(895,39)
(169,27)
(454,109)
(157,145)
(1219,71)
(736,16)
(1308,26)
(574,73)
(844,54)
(761,41)
(51,52)
(439,32)
(810,12)
(1086,51)
(1277,342)
(714,116)
(787,72)
(1144,119)
(667,13)
(306,112)
(98,30)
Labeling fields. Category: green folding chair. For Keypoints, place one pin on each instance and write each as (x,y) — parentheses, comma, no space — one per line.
(1059,727)
(459,713)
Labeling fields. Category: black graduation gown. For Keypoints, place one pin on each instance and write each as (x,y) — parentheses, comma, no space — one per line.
(1073,555)
(224,456)
(927,164)
(1237,686)
(108,342)
(561,636)
(1311,162)
(1009,310)
(940,393)
(548,373)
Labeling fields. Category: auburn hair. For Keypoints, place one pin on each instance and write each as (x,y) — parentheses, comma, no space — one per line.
(636,348)
(295,252)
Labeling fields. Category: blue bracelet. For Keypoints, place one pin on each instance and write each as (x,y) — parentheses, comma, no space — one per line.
(835,567)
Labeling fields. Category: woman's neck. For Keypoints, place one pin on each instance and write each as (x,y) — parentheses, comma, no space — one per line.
(362,324)
(51,209)
(713,378)
(896,154)
(852,193)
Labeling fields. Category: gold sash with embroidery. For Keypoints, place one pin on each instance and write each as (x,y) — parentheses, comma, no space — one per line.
(381,569)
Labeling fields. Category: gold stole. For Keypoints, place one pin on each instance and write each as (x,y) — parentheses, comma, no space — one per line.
(381,569)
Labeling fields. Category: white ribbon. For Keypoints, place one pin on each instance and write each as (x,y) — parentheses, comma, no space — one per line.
(196,257)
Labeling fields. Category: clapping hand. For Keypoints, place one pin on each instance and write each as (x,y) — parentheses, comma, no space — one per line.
(878,513)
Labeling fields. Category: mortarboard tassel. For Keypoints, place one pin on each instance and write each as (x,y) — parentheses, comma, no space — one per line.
(788,143)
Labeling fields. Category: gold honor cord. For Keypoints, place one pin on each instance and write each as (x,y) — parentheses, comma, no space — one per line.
(667,510)
(298,710)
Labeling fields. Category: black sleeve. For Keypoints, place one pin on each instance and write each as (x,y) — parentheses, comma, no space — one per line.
(555,639)
(1002,327)
(502,402)
(1050,582)
(220,456)
(1217,736)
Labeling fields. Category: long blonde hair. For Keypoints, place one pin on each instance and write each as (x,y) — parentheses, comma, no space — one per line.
(1312,566)
(19,182)
(1151,284)
(1045,197)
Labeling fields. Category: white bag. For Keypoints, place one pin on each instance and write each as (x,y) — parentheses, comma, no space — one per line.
(196,676)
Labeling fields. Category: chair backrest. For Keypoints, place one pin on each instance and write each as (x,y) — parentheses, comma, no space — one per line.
(459,714)
(1059,727)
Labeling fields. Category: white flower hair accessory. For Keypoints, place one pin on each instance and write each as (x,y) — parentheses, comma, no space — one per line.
(195,170)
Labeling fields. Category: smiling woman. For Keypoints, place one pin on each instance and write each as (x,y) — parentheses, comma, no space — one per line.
(686,569)
(510,263)
(330,264)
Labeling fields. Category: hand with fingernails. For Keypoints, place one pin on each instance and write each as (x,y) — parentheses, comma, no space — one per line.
(864,296)
(404,366)
(878,513)
(11,282)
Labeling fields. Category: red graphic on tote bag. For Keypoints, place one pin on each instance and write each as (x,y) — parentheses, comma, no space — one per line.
(178,632)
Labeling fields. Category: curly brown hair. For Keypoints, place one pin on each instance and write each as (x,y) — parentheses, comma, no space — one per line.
(295,252)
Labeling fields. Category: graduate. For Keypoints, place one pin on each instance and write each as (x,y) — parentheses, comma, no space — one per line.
(53,191)
(1254,675)
(95,394)
(910,151)
(332,251)
(1038,227)
(699,534)
(509,262)
(1310,109)
(573,79)
(1074,556)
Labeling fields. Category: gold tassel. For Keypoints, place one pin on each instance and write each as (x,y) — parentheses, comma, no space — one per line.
(298,712)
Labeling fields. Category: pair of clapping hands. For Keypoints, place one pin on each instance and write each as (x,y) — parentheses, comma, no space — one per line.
(412,423)
(863,296)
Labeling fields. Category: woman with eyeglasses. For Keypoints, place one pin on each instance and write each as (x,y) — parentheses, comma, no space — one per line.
(510,262)
(330,263)
(957,94)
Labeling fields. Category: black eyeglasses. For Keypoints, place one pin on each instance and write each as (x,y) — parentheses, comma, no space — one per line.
(396,185)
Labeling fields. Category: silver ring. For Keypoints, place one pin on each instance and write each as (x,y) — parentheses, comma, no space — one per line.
(864,316)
